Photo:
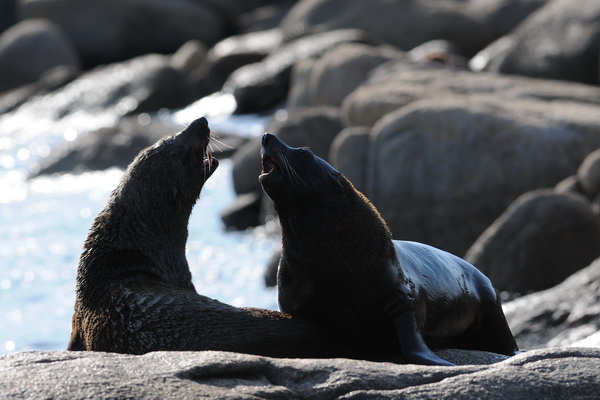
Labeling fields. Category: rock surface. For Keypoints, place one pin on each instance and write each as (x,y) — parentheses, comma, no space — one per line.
(549,374)
(407,24)
(564,315)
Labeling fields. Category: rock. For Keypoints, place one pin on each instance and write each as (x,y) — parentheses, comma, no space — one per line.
(260,86)
(265,17)
(244,213)
(143,84)
(440,171)
(471,25)
(550,374)
(30,49)
(339,71)
(232,53)
(349,155)
(564,315)
(588,174)
(114,146)
(542,238)
(395,85)
(113,30)
(189,57)
(559,41)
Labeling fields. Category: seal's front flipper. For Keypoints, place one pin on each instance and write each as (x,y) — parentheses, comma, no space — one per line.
(412,345)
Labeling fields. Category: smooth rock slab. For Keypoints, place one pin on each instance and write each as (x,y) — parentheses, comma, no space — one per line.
(549,374)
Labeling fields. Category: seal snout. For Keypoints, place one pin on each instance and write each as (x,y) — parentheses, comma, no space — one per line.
(268,162)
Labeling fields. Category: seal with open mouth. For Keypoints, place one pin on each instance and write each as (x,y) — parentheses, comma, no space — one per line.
(375,296)
(134,288)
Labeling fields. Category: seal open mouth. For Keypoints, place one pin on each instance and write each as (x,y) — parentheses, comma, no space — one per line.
(210,163)
(268,165)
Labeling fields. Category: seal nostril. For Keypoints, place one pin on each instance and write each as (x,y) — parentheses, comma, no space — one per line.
(265,138)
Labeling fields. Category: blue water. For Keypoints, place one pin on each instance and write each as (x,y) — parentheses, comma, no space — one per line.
(43,223)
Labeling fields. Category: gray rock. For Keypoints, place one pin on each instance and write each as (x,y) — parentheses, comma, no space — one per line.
(114,30)
(32,48)
(549,374)
(8,14)
(407,24)
(393,86)
(564,315)
(349,155)
(440,53)
(559,41)
(542,238)
(588,174)
(339,71)
(232,53)
(441,171)
(260,86)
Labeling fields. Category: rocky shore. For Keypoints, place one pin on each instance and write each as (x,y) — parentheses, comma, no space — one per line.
(472,126)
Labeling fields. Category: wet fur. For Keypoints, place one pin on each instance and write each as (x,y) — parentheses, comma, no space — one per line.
(341,269)
(134,289)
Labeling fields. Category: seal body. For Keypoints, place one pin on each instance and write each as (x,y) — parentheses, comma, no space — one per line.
(341,269)
(134,288)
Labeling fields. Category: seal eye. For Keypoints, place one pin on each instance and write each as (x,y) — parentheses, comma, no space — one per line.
(305,154)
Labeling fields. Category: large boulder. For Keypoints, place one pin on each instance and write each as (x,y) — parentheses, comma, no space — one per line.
(542,238)
(31,49)
(565,315)
(395,85)
(549,374)
(470,24)
(442,170)
(262,85)
(559,41)
(338,72)
(113,30)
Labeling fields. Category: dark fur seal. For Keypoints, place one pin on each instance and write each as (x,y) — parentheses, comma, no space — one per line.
(341,269)
(134,288)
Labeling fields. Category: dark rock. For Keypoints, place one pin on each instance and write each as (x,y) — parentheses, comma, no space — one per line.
(232,53)
(260,86)
(395,85)
(114,146)
(339,71)
(541,239)
(244,212)
(349,154)
(565,315)
(559,41)
(569,184)
(113,30)
(30,49)
(588,175)
(548,374)
(8,14)
(407,24)
(441,171)
(264,18)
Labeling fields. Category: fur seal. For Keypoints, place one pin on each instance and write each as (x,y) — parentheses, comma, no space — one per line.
(341,269)
(134,289)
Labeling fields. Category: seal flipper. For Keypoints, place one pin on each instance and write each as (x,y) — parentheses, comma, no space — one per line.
(412,345)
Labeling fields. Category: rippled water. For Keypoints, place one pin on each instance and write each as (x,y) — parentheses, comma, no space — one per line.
(43,223)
